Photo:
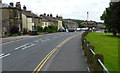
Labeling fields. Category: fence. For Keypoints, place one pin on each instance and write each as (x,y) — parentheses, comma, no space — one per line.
(95,61)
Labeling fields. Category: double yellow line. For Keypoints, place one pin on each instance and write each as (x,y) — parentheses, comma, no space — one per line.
(42,63)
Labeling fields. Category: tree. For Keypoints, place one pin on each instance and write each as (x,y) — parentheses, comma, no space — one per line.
(111,17)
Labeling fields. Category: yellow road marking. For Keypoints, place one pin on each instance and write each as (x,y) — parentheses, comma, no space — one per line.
(42,63)
(46,60)
(11,41)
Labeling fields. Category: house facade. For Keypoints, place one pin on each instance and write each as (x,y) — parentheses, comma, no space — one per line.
(69,24)
(49,20)
(11,16)
(90,23)
(30,20)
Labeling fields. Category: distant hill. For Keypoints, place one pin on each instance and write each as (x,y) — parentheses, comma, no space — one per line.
(74,19)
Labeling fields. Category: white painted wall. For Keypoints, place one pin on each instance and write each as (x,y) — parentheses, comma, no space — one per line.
(30,24)
(59,24)
(24,21)
(45,24)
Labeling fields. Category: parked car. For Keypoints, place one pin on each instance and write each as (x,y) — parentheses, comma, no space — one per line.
(33,32)
(71,30)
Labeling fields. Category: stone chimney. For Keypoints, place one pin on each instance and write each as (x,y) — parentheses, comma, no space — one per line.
(24,8)
(18,5)
(51,15)
(40,15)
(57,16)
(44,14)
(12,4)
(48,15)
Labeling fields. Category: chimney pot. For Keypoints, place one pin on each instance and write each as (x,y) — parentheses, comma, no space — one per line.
(11,4)
(18,5)
(24,8)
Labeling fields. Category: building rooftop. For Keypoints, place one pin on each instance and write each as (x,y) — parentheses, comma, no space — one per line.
(30,14)
(4,5)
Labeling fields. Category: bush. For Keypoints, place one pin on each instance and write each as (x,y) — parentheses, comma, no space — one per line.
(51,29)
(14,29)
(46,29)
(24,31)
(39,28)
(82,26)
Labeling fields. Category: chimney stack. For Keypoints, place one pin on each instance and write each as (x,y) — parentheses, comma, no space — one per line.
(24,8)
(57,16)
(11,4)
(18,5)
(48,15)
(44,14)
(51,15)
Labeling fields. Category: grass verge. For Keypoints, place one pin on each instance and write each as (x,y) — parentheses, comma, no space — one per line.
(107,45)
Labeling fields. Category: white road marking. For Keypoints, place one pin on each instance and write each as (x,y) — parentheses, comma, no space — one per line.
(27,46)
(21,46)
(1,54)
(36,41)
(4,55)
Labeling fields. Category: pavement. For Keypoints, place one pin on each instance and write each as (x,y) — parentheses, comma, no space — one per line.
(68,58)
(26,54)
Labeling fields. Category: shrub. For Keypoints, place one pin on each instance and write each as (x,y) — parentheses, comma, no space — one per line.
(82,26)
(46,29)
(51,29)
(39,28)
(14,29)
(24,31)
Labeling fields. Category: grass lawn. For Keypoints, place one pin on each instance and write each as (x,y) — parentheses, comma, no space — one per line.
(107,45)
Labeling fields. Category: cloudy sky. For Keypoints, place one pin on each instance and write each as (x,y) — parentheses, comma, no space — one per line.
(76,9)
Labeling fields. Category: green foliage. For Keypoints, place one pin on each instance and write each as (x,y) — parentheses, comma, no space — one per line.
(46,29)
(79,21)
(82,26)
(39,28)
(24,31)
(111,17)
(51,28)
(106,44)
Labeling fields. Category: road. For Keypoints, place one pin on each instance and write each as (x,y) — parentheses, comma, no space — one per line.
(26,54)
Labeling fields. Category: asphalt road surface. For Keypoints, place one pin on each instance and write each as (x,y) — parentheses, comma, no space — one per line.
(26,54)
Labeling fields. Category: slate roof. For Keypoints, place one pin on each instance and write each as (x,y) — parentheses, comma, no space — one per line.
(49,19)
(30,14)
(4,5)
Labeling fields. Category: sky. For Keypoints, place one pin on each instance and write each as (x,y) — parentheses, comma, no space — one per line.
(74,9)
